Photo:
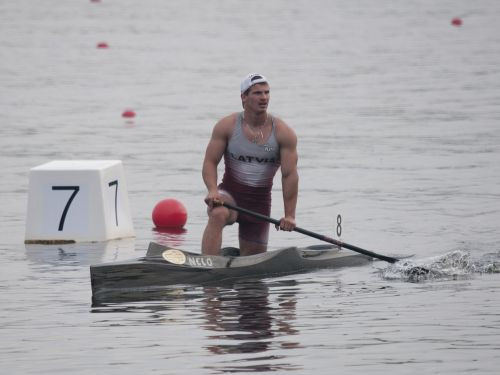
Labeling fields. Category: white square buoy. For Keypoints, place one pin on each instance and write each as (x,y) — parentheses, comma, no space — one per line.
(78,200)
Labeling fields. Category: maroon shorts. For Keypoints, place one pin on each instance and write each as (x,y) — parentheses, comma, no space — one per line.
(255,199)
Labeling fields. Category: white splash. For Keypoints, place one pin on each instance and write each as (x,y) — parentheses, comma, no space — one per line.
(453,265)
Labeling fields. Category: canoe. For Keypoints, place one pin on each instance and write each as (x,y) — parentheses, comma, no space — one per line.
(164,266)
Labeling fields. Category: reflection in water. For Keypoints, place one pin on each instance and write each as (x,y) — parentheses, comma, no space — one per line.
(75,254)
(152,300)
(246,317)
(80,253)
(171,237)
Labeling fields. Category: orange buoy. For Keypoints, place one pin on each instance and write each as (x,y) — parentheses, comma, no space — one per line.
(102,45)
(456,21)
(128,113)
(169,213)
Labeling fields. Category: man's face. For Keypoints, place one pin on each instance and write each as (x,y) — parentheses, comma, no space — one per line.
(257,98)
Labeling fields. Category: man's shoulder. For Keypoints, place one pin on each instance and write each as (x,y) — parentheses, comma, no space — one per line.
(284,132)
(227,122)
(225,126)
(231,118)
(280,123)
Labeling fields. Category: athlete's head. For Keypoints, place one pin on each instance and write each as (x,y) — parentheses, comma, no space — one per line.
(250,80)
(255,91)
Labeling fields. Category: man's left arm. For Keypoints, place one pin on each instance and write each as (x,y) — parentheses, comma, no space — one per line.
(289,176)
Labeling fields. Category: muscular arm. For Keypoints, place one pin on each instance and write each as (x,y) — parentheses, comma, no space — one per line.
(213,154)
(289,175)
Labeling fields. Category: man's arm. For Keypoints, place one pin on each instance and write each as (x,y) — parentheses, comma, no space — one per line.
(213,154)
(289,174)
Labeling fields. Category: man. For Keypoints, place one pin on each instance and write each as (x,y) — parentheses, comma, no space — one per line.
(254,145)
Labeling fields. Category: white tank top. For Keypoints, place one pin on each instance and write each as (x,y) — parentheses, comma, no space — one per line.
(249,163)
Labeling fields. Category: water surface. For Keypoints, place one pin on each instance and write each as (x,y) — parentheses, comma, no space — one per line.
(397,116)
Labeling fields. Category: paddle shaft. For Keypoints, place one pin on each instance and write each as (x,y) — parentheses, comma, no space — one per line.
(312,234)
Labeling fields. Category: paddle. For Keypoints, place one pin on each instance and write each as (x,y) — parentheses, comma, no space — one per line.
(312,234)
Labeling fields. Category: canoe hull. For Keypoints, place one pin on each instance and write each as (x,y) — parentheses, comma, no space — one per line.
(187,268)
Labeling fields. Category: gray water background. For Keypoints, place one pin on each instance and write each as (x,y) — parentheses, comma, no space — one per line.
(397,114)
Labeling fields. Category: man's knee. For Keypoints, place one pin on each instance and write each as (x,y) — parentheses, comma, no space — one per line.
(219,215)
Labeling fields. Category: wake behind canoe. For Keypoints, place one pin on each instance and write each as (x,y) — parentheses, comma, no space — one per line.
(164,266)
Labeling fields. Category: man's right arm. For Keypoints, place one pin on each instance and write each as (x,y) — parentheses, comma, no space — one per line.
(213,154)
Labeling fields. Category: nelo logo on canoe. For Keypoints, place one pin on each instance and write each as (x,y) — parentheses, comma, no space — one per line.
(200,262)
(174,256)
(178,257)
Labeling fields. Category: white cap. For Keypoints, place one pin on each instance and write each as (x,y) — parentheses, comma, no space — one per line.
(252,79)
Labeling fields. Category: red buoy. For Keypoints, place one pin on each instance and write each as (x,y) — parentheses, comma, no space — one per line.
(456,21)
(169,213)
(102,45)
(128,113)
